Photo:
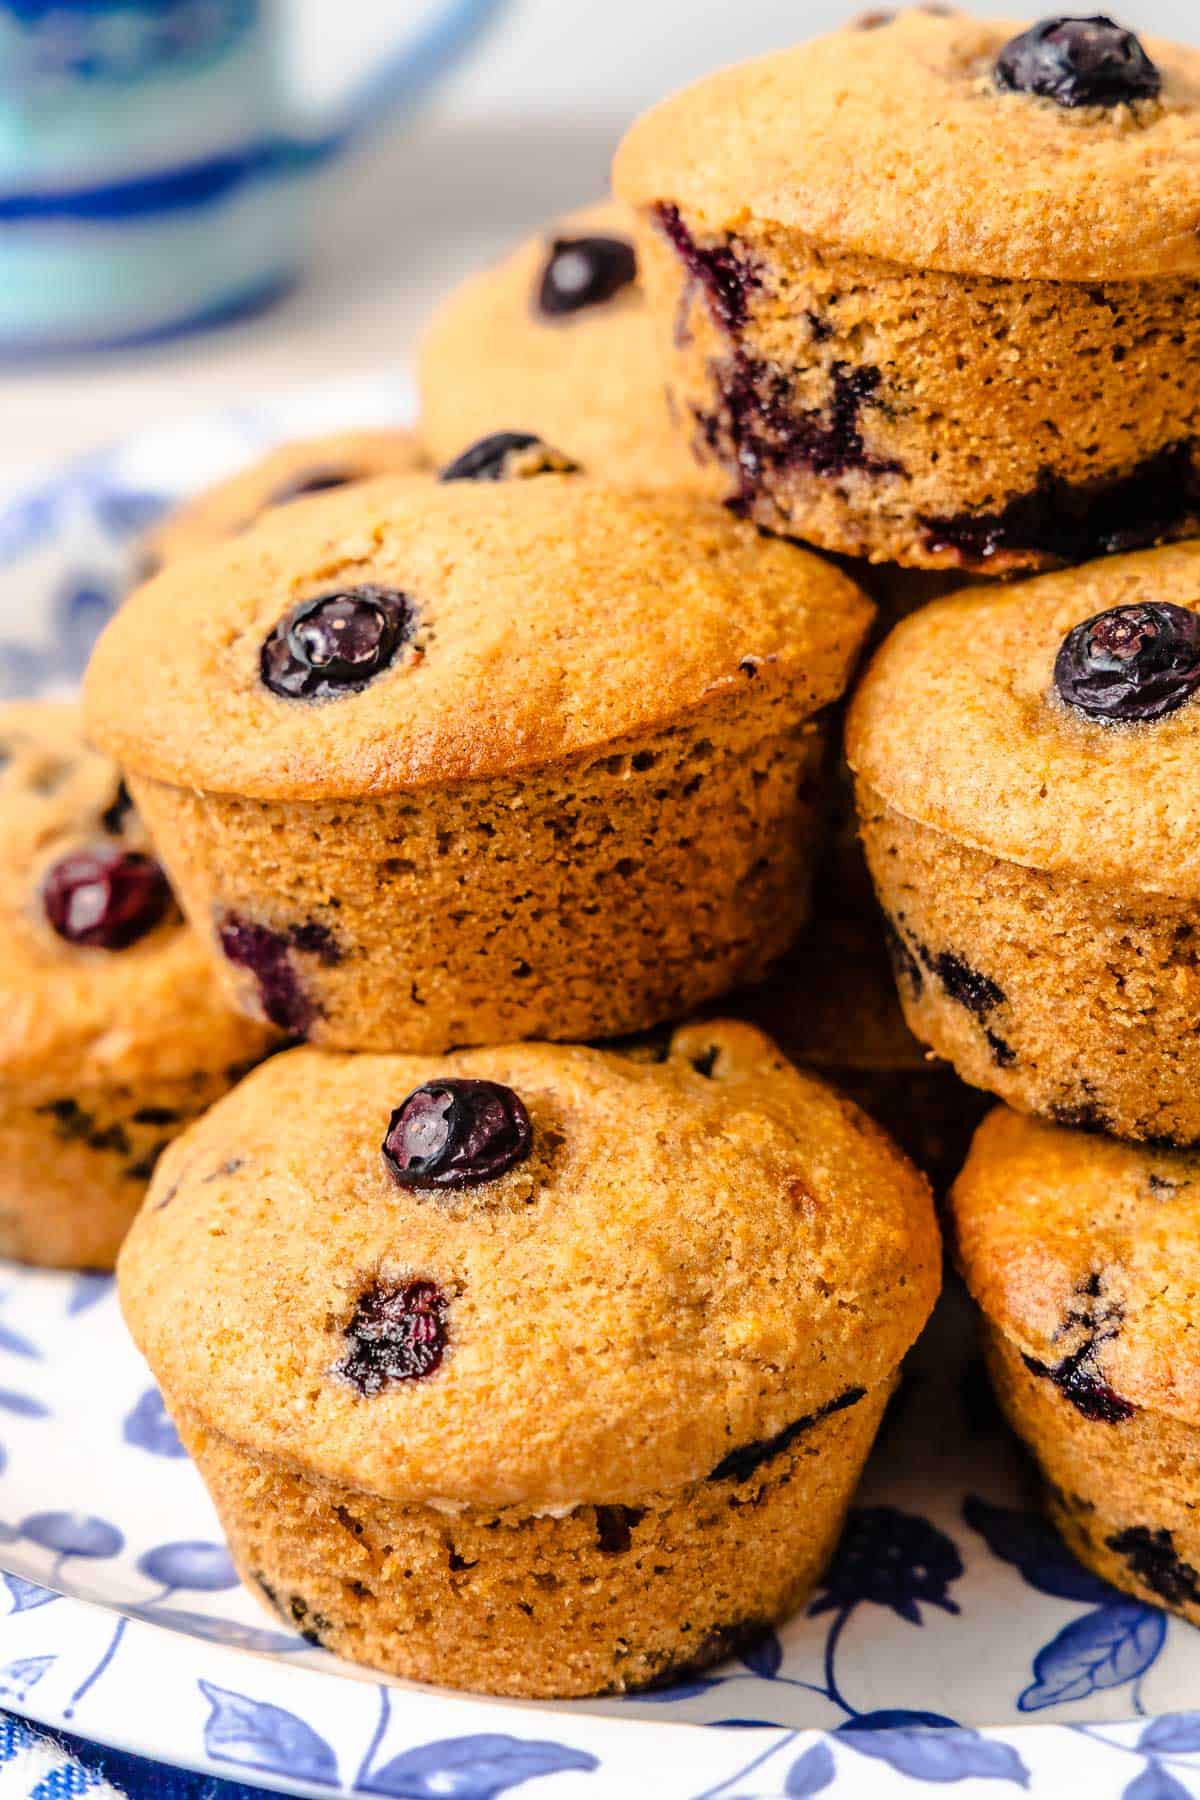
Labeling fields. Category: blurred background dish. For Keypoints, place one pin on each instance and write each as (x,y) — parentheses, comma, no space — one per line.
(156,168)
(523,132)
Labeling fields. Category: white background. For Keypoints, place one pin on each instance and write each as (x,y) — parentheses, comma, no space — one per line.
(523,131)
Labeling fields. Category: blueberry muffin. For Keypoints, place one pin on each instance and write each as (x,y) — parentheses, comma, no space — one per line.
(290,472)
(1024,761)
(1084,1257)
(460,762)
(831,1006)
(926,288)
(112,1035)
(556,340)
(537,1370)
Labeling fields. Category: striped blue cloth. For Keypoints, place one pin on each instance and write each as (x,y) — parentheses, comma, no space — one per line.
(40,1765)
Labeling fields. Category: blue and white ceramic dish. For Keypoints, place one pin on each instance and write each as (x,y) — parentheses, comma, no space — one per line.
(155,174)
(954,1644)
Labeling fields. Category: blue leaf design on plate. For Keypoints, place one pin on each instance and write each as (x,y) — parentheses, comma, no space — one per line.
(16,1345)
(1032,1546)
(73,1534)
(743,1724)
(1101,1650)
(205,1568)
(764,1656)
(23,1404)
(891,1718)
(18,1677)
(26,1594)
(258,1736)
(1156,1783)
(1174,1734)
(86,1290)
(473,1768)
(220,1631)
(957,1755)
(148,1427)
(810,1773)
(124,511)
(83,608)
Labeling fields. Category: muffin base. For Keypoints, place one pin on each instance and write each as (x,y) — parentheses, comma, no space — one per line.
(1123,1495)
(584,901)
(74,1168)
(1064,998)
(830,398)
(604,1599)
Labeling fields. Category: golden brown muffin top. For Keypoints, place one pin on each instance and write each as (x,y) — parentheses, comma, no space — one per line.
(587,380)
(75,1016)
(695,1254)
(896,142)
(549,617)
(290,472)
(1086,1253)
(959,725)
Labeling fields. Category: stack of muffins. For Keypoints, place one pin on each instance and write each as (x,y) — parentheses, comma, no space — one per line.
(531,1321)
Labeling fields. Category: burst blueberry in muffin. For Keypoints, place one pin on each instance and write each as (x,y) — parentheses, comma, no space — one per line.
(1082,1255)
(538,1370)
(1023,760)
(113,1036)
(926,293)
(442,763)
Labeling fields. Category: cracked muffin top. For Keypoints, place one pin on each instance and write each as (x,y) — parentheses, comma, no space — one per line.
(538,1274)
(1054,723)
(100,980)
(402,634)
(556,339)
(1086,1253)
(290,472)
(940,141)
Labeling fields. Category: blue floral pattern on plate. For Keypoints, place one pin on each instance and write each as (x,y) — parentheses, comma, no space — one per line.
(953,1641)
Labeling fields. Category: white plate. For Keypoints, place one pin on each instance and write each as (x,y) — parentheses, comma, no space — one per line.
(950,1600)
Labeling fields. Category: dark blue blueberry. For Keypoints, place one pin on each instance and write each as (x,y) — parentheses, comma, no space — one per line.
(585,271)
(335,644)
(104,898)
(1130,664)
(312,481)
(397,1333)
(759,430)
(1154,1560)
(724,270)
(1068,521)
(740,1464)
(265,952)
(508,456)
(115,814)
(1078,62)
(615,1526)
(455,1133)
(1077,1381)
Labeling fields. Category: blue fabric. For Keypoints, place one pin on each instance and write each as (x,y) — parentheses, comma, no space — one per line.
(83,1766)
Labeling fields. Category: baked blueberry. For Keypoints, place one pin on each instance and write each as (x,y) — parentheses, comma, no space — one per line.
(507,456)
(1131,663)
(455,1133)
(104,898)
(1078,62)
(335,644)
(397,1333)
(585,271)
(311,481)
